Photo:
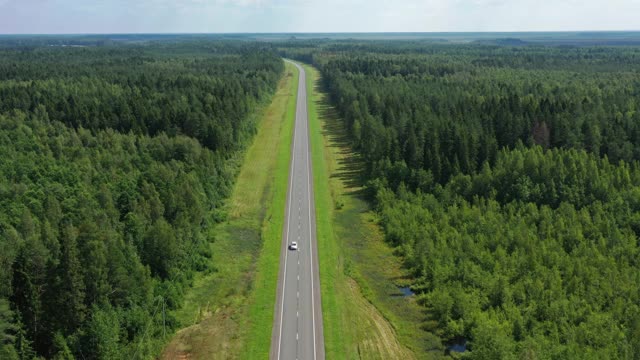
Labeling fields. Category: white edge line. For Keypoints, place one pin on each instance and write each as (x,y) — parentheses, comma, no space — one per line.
(284,282)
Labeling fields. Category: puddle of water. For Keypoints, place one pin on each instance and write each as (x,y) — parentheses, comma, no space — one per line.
(458,345)
(406,291)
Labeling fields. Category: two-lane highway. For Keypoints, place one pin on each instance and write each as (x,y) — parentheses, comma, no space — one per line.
(297,328)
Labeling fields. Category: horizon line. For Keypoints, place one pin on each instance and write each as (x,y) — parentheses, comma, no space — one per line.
(325,32)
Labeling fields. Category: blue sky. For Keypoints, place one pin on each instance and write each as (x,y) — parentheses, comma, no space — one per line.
(216,16)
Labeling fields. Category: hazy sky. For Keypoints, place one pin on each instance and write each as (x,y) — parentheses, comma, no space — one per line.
(166,16)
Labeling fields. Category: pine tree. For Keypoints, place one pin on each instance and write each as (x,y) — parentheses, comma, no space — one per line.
(23,346)
(70,310)
(28,286)
(8,327)
(103,333)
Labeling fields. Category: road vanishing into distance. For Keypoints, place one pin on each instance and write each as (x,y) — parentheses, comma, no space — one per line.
(297,327)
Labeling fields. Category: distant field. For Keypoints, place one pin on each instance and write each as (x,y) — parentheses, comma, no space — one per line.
(574,38)
(551,38)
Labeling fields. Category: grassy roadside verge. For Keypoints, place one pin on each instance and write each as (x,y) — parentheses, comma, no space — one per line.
(365,314)
(227,310)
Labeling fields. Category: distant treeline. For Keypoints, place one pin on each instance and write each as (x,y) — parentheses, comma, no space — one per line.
(115,162)
(508,179)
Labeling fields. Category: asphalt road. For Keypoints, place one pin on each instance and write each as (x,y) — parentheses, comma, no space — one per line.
(297,327)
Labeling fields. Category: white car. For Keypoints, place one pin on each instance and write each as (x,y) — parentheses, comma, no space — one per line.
(293,246)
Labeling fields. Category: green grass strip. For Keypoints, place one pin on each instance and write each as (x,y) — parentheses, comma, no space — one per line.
(262,301)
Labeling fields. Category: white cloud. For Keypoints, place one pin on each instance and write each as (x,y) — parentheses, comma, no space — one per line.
(315,15)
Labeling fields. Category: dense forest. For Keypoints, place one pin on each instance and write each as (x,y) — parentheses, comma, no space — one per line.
(115,162)
(508,179)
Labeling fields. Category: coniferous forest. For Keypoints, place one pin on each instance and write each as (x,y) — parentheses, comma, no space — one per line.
(508,180)
(114,162)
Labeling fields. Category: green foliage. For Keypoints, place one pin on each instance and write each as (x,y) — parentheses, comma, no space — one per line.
(7,323)
(103,333)
(8,352)
(114,164)
(61,348)
(508,180)
(205,97)
(450,111)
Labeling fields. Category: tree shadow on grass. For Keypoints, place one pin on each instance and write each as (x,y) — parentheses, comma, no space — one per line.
(350,165)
